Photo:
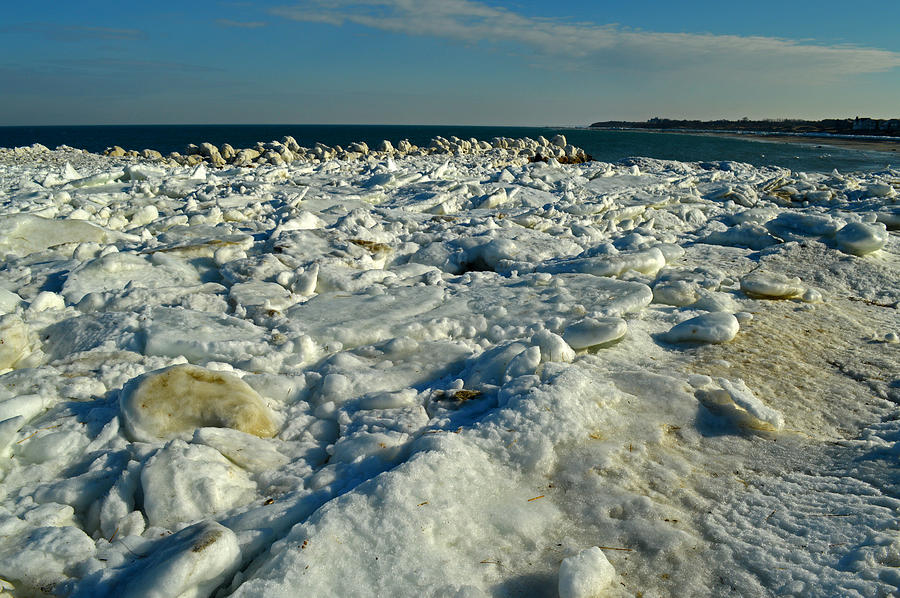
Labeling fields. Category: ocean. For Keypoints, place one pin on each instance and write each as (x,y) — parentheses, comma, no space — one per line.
(607,146)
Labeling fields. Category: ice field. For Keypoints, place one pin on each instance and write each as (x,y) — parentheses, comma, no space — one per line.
(447,372)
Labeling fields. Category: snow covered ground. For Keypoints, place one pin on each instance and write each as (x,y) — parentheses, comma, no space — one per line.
(447,375)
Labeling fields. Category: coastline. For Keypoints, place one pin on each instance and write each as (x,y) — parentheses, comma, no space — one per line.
(862,144)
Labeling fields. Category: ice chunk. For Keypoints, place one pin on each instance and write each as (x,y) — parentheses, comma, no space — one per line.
(14,341)
(676,292)
(748,234)
(46,300)
(201,336)
(590,332)
(743,397)
(116,270)
(646,261)
(189,564)
(261,295)
(713,327)
(173,401)
(9,301)
(26,406)
(9,427)
(186,482)
(42,557)
(585,575)
(771,285)
(553,347)
(246,450)
(860,238)
(23,234)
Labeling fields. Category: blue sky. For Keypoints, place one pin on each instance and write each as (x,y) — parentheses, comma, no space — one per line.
(445,61)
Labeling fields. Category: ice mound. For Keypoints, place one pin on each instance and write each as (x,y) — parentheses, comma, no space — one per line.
(174,401)
(860,238)
(713,327)
(585,575)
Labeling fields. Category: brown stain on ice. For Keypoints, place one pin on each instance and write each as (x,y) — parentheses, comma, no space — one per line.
(796,360)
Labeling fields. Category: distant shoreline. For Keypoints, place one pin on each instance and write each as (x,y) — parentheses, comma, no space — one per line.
(854,142)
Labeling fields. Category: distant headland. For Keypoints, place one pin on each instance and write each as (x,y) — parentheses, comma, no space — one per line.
(832,126)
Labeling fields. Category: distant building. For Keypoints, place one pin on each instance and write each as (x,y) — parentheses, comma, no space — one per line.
(876,124)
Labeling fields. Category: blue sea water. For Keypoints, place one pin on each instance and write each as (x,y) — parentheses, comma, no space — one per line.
(607,146)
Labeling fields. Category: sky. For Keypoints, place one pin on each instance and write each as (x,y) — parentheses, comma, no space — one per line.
(478,62)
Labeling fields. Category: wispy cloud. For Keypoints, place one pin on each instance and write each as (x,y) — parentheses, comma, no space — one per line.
(603,45)
(75,33)
(241,24)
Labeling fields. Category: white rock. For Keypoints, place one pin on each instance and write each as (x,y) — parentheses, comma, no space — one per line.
(859,238)
(585,575)
(713,327)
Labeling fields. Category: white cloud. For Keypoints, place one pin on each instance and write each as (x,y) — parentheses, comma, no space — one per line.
(241,24)
(605,46)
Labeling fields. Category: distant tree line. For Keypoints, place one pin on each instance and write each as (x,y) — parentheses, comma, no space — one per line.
(838,126)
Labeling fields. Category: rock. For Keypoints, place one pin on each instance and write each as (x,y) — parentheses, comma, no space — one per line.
(245,157)
(559,141)
(149,154)
(191,149)
(585,575)
(860,238)
(174,401)
(227,151)
(114,152)
(208,149)
(714,327)
(386,147)
(358,147)
(291,143)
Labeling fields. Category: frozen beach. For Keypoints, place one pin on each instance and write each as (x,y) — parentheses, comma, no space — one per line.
(447,371)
